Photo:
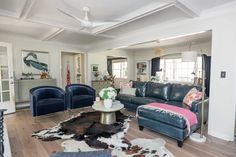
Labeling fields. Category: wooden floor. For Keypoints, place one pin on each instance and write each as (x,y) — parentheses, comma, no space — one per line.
(20,126)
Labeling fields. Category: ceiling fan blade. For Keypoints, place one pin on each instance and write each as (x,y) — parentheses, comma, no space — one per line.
(70,15)
(83,31)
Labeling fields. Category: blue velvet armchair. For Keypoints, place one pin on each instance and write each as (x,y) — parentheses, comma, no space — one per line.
(47,99)
(79,95)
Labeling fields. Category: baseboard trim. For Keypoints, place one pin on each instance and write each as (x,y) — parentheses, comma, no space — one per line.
(221,136)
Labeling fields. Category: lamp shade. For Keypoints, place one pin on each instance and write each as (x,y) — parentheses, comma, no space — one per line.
(189,56)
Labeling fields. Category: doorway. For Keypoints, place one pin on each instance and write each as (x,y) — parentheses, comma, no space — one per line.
(6,78)
(72,68)
(117,67)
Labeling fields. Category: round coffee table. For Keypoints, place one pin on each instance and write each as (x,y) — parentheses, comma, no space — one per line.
(108,115)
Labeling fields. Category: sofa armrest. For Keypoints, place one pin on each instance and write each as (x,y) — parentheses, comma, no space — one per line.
(197,109)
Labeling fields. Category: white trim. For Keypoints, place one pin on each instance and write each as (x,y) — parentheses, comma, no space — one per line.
(9,105)
(185,6)
(151,9)
(221,136)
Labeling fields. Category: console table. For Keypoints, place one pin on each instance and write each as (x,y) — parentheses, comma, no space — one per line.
(22,87)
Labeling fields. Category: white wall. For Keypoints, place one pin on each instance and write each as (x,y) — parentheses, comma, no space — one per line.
(223,26)
(54,50)
(100,58)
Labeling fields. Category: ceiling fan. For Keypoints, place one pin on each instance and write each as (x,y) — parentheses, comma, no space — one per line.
(86,23)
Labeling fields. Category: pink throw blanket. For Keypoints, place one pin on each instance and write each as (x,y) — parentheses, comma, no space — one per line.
(188,115)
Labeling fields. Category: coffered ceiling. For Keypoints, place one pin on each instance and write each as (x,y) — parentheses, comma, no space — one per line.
(41,20)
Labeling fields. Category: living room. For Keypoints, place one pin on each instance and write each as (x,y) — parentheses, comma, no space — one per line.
(49,43)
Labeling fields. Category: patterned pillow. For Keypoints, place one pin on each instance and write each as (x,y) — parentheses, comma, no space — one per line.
(192,96)
(126,85)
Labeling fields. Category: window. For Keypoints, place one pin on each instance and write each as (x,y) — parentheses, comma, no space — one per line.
(119,68)
(176,70)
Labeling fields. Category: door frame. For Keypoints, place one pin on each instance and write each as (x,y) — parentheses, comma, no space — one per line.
(12,106)
(84,66)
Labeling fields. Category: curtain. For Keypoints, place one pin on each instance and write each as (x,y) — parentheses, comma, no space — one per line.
(207,62)
(109,66)
(155,66)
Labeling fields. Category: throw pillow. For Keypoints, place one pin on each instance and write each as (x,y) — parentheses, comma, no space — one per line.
(126,85)
(128,91)
(192,96)
(141,88)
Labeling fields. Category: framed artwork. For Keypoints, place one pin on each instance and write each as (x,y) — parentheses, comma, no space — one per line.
(35,62)
(94,67)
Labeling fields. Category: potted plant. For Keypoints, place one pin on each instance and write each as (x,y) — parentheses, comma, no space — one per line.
(107,94)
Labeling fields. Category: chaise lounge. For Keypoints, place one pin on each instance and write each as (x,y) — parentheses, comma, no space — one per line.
(171,94)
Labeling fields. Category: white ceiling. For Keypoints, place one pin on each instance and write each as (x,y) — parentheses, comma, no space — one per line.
(182,40)
(39,19)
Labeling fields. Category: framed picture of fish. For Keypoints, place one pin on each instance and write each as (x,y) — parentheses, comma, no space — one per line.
(35,62)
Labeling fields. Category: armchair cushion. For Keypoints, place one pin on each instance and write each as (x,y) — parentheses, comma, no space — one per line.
(50,105)
(82,99)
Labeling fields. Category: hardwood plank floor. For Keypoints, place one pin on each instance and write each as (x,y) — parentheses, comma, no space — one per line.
(21,124)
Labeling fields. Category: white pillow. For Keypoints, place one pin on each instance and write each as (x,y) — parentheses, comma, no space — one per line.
(128,91)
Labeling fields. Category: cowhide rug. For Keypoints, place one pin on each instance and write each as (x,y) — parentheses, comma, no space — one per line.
(86,126)
(84,133)
(140,147)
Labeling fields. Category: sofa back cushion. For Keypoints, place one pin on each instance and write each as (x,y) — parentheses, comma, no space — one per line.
(178,91)
(158,90)
(140,88)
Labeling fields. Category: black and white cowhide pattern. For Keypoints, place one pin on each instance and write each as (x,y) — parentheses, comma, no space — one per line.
(85,133)
(86,127)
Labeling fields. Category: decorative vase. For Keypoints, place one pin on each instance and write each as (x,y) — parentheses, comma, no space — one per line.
(108,103)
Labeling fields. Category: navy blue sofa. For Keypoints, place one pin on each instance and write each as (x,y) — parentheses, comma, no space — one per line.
(79,95)
(47,99)
(171,94)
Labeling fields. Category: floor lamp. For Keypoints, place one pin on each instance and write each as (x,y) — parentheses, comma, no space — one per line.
(191,56)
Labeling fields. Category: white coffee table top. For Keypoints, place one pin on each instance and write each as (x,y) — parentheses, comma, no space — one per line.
(116,106)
